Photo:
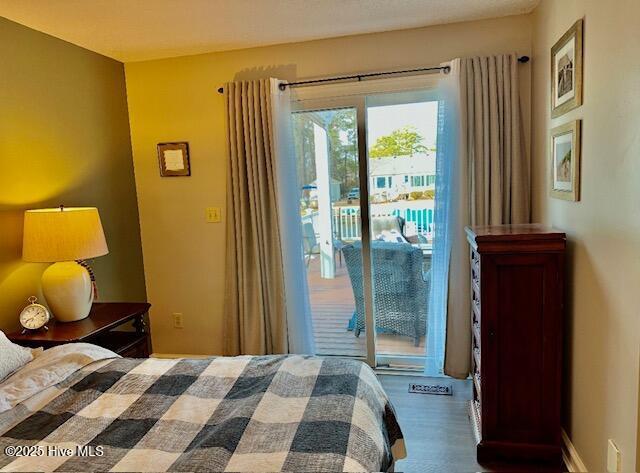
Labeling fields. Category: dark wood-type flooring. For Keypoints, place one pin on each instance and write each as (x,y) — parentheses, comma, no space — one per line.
(437,430)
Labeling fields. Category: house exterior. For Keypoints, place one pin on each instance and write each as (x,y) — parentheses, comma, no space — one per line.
(399,176)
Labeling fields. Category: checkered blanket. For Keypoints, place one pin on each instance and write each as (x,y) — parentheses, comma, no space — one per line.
(269,413)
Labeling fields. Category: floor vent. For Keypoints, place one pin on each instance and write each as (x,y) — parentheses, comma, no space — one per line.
(441,389)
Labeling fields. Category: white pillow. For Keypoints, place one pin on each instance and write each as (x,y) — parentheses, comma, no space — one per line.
(393,236)
(12,356)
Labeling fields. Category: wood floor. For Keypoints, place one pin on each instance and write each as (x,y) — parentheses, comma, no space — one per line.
(332,305)
(437,430)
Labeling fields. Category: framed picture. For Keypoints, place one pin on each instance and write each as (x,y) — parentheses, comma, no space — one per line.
(565,161)
(173,159)
(566,71)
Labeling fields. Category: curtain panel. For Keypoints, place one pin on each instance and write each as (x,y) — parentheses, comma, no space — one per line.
(298,308)
(255,307)
(490,183)
(498,163)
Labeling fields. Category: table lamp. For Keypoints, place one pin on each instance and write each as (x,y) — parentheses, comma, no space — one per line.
(65,236)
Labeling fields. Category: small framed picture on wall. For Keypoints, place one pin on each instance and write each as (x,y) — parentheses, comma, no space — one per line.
(565,161)
(173,159)
(566,71)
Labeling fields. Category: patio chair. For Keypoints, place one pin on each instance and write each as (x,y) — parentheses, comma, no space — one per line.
(310,244)
(309,241)
(400,290)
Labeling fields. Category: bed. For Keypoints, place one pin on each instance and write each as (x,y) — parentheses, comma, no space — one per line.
(78,407)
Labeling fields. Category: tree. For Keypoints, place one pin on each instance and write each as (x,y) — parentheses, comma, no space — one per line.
(405,141)
(343,151)
(303,142)
(341,130)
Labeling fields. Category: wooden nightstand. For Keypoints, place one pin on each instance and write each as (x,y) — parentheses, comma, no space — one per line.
(98,329)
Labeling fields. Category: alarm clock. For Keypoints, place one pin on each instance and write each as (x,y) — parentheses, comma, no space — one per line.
(34,316)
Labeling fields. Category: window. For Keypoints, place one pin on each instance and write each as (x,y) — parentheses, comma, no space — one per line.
(390,179)
(431,180)
(415,181)
(406,179)
(380,182)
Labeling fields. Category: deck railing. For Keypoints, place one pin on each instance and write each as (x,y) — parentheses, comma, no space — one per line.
(346,219)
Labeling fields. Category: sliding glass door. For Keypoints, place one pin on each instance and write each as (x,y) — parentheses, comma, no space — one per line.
(402,131)
(366,170)
(326,144)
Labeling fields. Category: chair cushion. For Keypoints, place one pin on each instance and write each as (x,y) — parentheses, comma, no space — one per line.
(393,236)
(387,229)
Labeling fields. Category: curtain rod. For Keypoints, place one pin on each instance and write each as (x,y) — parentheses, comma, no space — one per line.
(359,77)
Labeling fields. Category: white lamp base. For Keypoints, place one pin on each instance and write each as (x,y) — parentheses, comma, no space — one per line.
(68,290)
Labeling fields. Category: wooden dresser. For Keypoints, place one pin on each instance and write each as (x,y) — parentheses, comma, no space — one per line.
(517,277)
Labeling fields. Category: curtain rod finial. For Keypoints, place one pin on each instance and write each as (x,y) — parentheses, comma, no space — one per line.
(221,90)
(523,59)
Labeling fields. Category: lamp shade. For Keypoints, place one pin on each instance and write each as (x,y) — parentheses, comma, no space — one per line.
(62,234)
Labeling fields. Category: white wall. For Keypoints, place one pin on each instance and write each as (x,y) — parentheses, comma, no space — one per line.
(603,229)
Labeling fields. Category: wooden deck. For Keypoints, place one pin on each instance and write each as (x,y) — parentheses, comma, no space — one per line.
(332,305)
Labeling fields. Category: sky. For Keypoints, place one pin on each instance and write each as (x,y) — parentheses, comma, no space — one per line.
(423,116)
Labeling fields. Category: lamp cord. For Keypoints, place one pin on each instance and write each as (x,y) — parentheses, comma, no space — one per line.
(92,276)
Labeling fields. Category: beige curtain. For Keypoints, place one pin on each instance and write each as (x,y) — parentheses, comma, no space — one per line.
(493,178)
(255,315)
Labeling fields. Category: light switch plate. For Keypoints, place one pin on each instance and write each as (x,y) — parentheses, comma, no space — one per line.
(614,459)
(178,321)
(213,214)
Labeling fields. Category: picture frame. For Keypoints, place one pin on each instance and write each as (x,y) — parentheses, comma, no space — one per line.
(565,156)
(566,71)
(173,159)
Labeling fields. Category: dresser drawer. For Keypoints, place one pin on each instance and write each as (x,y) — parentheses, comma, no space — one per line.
(137,350)
(475,331)
(475,291)
(475,256)
(475,413)
(475,269)
(476,310)
(477,383)
(476,321)
(477,359)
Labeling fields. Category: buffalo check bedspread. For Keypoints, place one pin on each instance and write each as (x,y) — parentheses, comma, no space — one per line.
(265,413)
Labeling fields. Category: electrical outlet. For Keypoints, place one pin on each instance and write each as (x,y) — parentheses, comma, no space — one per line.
(213,214)
(178,322)
(614,458)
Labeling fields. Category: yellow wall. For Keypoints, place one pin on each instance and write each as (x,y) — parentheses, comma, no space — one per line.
(64,139)
(176,99)
(604,227)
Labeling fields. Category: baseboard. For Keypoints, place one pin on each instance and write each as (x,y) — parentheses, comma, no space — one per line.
(570,455)
(178,355)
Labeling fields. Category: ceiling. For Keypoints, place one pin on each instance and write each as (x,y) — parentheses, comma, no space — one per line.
(136,30)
